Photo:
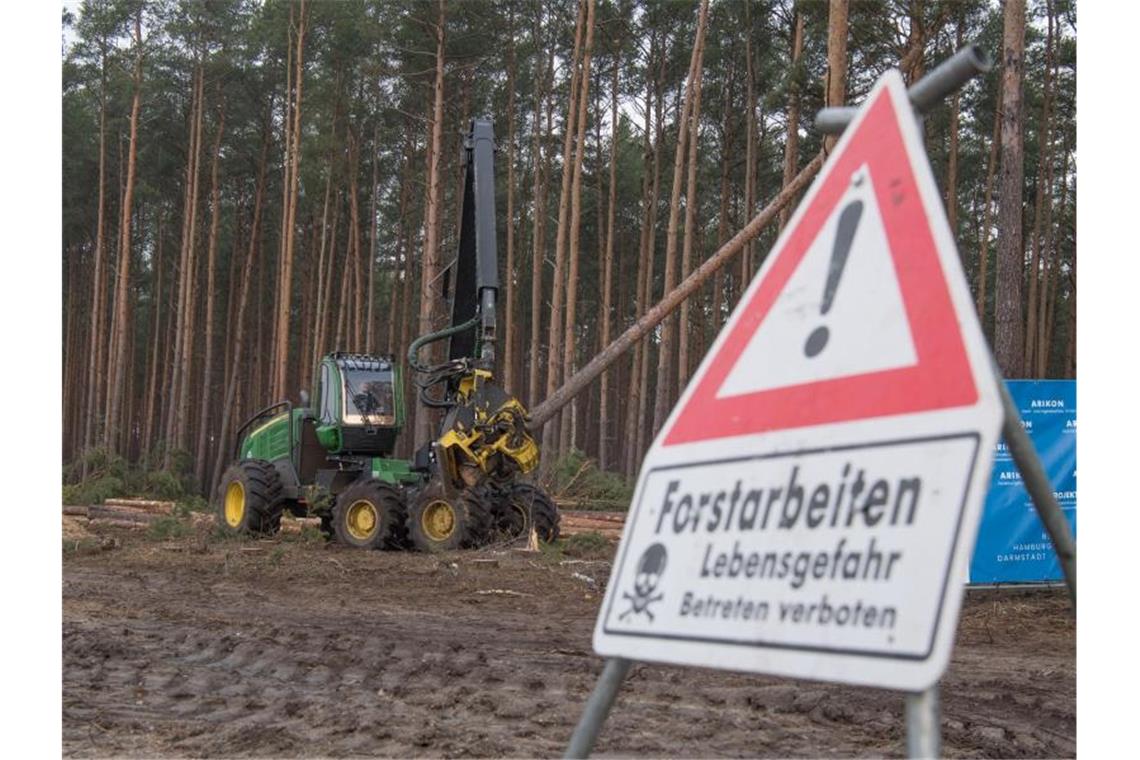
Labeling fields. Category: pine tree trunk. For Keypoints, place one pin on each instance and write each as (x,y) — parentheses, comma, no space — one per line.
(607,276)
(211,263)
(1008,325)
(952,160)
(510,326)
(633,407)
(118,364)
(1044,188)
(645,411)
(431,260)
(189,333)
(749,140)
(987,210)
(665,357)
(239,369)
(1046,323)
(836,85)
(792,141)
(538,224)
(289,212)
(96,363)
(401,267)
(691,204)
(408,311)
(357,256)
(373,250)
(550,436)
(567,439)
(322,251)
(156,354)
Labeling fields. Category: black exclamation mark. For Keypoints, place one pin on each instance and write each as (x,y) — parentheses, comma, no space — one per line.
(844,235)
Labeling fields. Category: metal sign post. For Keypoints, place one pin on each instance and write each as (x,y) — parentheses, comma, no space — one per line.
(640,604)
(923,730)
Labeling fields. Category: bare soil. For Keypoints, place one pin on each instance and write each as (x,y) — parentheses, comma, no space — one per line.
(284,648)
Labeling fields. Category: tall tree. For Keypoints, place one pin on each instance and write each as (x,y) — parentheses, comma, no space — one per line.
(510,326)
(293,100)
(118,368)
(608,267)
(1008,324)
(550,436)
(429,300)
(569,342)
(792,138)
(204,408)
(665,356)
(835,86)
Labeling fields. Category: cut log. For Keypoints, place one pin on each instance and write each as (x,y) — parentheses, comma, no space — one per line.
(589,505)
(114,523)
(145,505)
(74,511)
(295,525)
(612,517)
(202,518)
(606,524)
(120,514)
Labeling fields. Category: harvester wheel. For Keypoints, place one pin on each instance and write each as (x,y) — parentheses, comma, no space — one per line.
(523,505)
(438,522)
(369,514)
(249,498)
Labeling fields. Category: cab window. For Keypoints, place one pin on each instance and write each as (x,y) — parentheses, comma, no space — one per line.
(328,397)
(369,397)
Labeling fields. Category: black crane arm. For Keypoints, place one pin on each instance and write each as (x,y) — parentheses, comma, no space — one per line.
(477,264)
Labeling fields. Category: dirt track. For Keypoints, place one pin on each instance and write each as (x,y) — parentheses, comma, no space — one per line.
(200,648)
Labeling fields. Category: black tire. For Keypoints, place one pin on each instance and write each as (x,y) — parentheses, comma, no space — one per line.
(438,523)
(249,499)
(521,504)
(370,514)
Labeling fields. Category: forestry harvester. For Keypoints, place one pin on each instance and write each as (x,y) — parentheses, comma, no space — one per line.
(332,458)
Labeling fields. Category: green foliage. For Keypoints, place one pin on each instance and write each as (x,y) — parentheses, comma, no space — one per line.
(576,476)
(111,476)
(590,545)
(165,528)
(163,484)
(192,503)
(94,490)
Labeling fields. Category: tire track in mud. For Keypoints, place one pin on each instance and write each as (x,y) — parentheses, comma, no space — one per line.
(338,653)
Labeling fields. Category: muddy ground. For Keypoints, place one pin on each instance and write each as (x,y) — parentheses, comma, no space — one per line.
(203,647)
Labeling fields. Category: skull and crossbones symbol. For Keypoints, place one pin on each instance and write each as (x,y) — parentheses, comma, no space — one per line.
(649,571)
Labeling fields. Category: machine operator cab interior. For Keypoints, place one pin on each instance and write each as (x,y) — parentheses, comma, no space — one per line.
(358,409)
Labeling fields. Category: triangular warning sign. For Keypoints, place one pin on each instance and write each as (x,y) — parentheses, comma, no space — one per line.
(852,317)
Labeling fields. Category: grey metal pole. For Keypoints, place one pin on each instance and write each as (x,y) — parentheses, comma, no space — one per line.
(597,708)
(1039,488)
(924,94)
(923,724)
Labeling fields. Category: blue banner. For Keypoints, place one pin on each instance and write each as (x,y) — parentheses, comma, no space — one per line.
(1012,545)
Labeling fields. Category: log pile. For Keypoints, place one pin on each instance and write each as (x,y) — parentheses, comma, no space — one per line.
(607,524)
(122,513)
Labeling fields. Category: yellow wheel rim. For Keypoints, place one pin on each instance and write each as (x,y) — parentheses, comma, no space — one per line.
(235,504)
(438,520)
(362,520)
(523,518)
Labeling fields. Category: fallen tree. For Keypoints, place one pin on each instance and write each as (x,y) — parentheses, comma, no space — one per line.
(543,413)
